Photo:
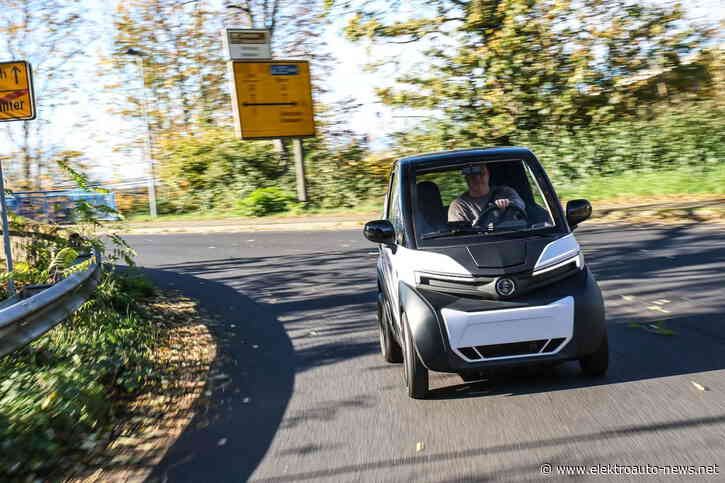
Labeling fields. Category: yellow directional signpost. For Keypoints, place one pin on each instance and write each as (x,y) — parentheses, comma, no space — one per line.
(273,99)
(17,103)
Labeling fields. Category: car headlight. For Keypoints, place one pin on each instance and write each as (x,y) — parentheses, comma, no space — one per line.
(578,259)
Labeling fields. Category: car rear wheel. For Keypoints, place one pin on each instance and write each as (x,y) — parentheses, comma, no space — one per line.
(389,348)
(596,364)
(414,372)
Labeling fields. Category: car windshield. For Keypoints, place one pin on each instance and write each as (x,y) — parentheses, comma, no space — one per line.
(480,199)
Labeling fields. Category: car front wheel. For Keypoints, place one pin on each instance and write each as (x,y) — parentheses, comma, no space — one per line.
(414,372)
(389,348)
(596,364)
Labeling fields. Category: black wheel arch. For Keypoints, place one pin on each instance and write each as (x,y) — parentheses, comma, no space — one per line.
(428,334)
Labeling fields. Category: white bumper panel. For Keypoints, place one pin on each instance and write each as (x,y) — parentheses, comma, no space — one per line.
(470,329)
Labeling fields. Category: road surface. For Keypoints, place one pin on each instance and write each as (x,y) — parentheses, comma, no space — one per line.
(311,399)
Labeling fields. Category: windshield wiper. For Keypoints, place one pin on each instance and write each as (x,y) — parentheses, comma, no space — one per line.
(482,231)
(453,232)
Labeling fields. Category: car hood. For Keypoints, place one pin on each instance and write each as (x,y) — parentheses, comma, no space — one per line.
(510,256)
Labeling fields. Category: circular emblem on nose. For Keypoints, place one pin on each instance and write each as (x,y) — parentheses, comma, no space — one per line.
(505,287)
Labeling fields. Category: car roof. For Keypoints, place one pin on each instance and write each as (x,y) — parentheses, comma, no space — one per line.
(446,157)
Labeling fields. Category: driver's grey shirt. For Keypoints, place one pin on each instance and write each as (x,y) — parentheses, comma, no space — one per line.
(469,208)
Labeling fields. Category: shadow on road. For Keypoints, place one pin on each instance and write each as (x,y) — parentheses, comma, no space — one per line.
(245,412)
(325,301)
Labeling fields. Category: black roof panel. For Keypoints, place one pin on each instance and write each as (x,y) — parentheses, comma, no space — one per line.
(444,157)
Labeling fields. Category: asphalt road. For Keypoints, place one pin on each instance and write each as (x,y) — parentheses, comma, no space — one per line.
(310,398)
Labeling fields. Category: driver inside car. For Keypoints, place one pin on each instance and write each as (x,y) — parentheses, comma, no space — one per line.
(476,205)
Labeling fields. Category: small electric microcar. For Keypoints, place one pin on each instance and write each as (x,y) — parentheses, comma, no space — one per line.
(467,282)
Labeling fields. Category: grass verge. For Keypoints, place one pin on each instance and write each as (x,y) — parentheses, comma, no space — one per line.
(365,207)
(684,182)
(63,397)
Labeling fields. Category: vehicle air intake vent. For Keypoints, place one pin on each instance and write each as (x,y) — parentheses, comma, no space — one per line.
(553,345)
(469,352)
(511,349)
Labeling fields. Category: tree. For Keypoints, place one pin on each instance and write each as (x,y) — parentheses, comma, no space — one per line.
(48,34)
(498,67)
(182,62)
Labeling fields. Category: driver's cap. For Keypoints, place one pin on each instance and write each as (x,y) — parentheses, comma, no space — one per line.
(472,169)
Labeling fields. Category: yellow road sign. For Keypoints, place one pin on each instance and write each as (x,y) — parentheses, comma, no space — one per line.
(272,99)
(17,99)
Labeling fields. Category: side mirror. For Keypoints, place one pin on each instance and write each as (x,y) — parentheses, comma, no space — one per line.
(577,211)
(380,231)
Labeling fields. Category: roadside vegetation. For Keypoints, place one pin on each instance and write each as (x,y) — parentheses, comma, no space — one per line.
(63,396)
(60,396)
(616,97)
(676,152)
(599,89)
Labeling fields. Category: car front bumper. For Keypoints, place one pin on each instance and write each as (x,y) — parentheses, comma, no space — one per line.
(563,321)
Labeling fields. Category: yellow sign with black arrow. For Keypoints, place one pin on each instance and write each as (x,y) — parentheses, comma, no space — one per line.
(17,99)
(272,98)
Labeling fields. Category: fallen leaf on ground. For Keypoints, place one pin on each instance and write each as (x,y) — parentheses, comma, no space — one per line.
(698,386)
(420,446)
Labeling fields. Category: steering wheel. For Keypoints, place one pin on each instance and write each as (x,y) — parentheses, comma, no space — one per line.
(499,214)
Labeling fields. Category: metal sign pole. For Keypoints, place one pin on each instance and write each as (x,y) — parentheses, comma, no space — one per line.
(300,169)
(149,145)
(6,232)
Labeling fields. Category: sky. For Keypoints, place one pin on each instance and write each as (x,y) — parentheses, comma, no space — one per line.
(348,79)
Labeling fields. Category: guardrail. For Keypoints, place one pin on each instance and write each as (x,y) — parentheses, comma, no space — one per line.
(26,317)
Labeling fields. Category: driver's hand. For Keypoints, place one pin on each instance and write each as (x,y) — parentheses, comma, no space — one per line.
(503,203)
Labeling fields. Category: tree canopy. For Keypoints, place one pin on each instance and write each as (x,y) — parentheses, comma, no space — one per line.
(497,67)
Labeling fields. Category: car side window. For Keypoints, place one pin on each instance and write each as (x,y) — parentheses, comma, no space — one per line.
(539,198)
(393,215)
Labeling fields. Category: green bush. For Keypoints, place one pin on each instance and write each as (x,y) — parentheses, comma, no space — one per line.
(213,169)
(265,201)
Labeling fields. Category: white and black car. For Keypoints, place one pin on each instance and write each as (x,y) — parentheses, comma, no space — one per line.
(509,288)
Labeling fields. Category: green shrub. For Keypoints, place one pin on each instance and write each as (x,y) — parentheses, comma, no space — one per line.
(265,201)
(136,285)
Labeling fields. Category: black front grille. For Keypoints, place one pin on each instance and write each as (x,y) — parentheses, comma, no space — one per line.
(483,287)
(511,349)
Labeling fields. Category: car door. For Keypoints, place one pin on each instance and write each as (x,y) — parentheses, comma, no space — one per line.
(387,253)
